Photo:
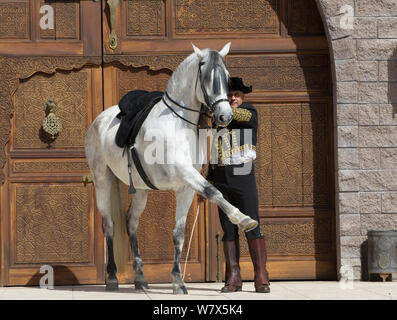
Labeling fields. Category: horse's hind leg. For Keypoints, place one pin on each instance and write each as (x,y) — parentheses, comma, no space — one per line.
(184,198)
(103,179)
(138,204)
(103,186)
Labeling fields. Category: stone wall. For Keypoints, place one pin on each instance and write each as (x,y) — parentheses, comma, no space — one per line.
(365,82)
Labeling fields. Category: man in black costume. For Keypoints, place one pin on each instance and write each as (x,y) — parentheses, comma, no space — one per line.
(234,176)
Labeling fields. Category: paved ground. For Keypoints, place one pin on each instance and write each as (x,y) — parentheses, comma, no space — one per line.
(280,290)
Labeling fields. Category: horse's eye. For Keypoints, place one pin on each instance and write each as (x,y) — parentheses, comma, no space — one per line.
(201,63)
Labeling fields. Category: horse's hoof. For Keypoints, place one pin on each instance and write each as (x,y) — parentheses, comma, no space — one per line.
(180,290)
(112,285)
(248,224)
(141,286)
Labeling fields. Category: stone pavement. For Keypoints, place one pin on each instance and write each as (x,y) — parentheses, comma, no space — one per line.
(280,290)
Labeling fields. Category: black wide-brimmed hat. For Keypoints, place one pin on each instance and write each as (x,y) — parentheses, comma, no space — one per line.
(237,84)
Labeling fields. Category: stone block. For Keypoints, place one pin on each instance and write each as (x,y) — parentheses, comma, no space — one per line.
(346,92)
(389,202)
(369,158)
(367,71)
(377,180)
(351,246)
(352,265)
(388,70)
(346,70)
(333,8)
(365,28)
(348,180)
(347,114)
(387,114)
(347,136)
(373,92)
(376,49)
(371,8)
(387,28)
(388,158)
(350,225)
(349,203)
(348,158)
(368,114)
(370,202)
(392,93)
(336,29)
(354,262)
(378,222)
(377,136)
(344,48)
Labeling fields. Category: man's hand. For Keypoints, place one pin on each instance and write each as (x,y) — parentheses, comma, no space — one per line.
(201,198)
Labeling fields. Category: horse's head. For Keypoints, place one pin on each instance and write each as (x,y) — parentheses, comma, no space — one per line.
(214,78)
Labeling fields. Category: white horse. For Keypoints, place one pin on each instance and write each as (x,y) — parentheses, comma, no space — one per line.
(201,78)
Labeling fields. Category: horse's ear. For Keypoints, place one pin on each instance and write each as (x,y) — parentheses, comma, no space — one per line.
(225,50)
(198,51)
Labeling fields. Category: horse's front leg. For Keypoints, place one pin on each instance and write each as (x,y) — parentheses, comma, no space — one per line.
(184,198)
(197,182)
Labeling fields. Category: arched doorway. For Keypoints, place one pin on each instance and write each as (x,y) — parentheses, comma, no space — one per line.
(278,46)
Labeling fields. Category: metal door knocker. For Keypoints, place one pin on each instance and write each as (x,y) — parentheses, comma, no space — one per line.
(52,124)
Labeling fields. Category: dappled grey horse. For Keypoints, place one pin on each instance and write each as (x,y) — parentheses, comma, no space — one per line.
(201,79)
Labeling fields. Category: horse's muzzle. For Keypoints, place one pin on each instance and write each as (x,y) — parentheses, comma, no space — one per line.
(223,120)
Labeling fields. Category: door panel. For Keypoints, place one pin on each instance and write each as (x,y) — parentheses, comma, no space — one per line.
(76,28)
(52,217)
(48,216)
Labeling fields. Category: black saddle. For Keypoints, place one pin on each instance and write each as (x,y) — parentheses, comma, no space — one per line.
(134,108)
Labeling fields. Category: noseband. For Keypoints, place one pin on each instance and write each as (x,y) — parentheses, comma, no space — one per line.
(208,105)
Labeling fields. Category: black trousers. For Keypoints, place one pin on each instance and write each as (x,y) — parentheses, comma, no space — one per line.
(241,192)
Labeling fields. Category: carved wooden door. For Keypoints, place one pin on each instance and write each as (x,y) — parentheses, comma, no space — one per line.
(48,215)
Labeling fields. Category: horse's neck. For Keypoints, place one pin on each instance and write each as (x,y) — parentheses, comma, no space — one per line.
(182,88)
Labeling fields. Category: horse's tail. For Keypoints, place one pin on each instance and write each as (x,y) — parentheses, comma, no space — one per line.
(119,217)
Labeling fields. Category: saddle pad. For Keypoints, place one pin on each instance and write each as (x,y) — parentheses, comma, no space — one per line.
(134,108)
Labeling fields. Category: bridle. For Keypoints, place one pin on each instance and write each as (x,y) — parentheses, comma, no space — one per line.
(208,106)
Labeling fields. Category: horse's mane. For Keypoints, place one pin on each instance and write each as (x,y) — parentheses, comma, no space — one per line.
(180,68)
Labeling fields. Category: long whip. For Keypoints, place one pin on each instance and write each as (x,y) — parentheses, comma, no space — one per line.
(190,241)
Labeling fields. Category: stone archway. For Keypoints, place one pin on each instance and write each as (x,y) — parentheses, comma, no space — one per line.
(364,80)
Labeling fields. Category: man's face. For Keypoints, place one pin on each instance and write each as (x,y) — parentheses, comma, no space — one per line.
(236,98)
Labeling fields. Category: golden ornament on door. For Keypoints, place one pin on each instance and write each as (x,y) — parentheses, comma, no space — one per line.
(51,123)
